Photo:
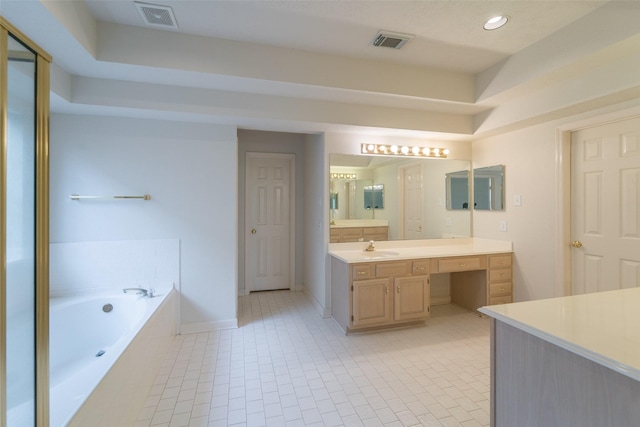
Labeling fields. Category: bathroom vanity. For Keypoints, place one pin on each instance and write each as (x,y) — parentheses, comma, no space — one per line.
(390,286)
(569,361)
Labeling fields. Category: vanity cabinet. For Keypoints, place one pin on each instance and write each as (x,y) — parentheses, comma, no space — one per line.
(500,280)
(371,290)
(383,294)
(479,280)
(358,234)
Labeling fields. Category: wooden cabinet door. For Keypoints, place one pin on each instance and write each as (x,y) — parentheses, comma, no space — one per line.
(411,296)
(371,302)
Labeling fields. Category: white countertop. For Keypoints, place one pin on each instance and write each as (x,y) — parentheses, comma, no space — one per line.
(414,249)
(603,327)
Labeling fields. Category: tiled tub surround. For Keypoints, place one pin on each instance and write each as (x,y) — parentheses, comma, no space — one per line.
(106,390)
(78,267)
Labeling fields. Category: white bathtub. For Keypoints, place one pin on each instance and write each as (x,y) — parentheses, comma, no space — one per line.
(102,350)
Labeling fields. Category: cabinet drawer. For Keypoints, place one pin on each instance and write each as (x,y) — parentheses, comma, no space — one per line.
(420,268)
(500,289)
(374,231)
(352,233)
(500,300)
(376,237)
(500,261)
(500,275)
(362,271)
(459,264)
(387,269)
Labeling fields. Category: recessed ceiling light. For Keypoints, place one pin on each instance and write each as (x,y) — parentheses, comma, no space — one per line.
(495,22)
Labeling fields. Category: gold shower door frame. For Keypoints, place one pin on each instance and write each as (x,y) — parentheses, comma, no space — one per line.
(43,61)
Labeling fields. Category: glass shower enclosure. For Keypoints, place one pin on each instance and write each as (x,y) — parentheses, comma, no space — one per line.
(24,231)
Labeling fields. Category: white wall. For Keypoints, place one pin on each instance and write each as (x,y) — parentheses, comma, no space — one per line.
(316,235)
(536,168)
(190,171)
(529,156)
(273,142)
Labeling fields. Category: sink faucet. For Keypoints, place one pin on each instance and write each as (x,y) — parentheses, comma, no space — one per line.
(370,247)
(144,292)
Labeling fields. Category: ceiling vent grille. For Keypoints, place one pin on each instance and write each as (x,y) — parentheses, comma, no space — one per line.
(390,39)
(157,16)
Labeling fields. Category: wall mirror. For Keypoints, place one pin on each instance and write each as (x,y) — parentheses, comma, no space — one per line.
(412,194)
(488,188)
(457,187)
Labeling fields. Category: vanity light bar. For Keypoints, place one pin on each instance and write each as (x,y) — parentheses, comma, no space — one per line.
(344,176)
(404,150)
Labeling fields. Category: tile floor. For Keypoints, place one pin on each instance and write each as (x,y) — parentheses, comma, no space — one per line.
(287,366)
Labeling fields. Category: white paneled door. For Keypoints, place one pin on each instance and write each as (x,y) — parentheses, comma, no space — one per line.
(413,201)
(605,207)
(269,222)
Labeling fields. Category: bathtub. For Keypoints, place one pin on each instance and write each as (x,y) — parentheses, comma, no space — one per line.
(105,350)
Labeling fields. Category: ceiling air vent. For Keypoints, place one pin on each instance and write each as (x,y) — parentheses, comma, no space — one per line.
(157,16)
(389,39)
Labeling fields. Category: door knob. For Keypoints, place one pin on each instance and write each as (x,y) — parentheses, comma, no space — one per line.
(253,231)
(576,244)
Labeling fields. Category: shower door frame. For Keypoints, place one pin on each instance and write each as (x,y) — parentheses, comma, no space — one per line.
(43,61)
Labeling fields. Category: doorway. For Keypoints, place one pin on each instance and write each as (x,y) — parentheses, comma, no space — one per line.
(412,202)
(605,207)
(269,221)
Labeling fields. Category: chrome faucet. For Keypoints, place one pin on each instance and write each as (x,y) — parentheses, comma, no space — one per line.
(370,247)
(144,292)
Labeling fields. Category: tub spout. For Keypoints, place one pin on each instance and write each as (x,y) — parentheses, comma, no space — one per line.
(144,292)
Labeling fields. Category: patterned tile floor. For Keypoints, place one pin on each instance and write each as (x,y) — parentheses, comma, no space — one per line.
(287,366)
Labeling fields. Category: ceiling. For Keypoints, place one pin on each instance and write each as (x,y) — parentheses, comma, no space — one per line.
(447,34)
(309,66)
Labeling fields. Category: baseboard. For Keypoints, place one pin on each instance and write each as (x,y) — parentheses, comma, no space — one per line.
(322,311)
(440,300)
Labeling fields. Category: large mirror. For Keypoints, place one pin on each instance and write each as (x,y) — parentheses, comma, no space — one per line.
(410,195)
(488,188)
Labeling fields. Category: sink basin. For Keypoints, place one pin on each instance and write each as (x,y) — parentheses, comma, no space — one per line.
(380,254)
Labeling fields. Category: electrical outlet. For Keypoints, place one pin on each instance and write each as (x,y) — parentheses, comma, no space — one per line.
(503,225)
(517,201)
(447,221)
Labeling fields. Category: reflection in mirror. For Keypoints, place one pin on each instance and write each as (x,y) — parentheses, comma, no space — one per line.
(488,188)
(412,201)
(457,190)
(374,196)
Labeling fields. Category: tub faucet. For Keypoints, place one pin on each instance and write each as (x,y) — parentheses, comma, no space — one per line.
(144,292)
(370,247)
